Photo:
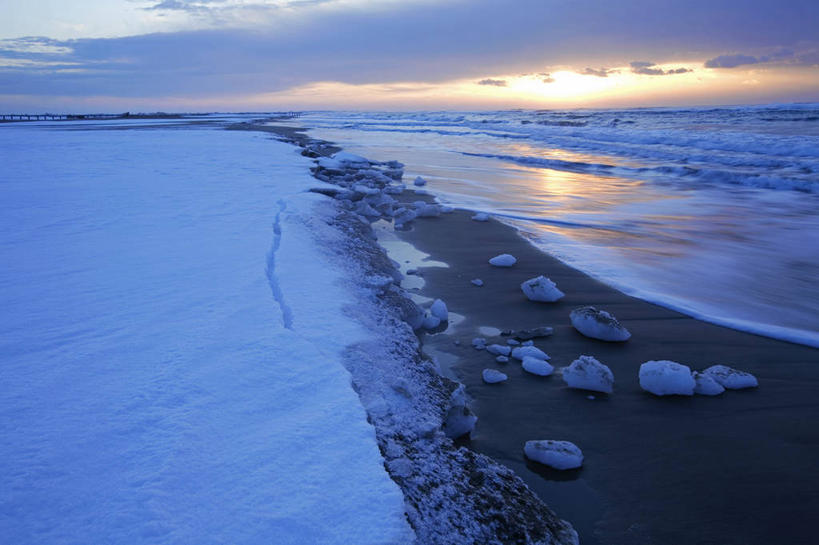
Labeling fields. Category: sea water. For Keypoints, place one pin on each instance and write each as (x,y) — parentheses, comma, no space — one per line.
(711,211)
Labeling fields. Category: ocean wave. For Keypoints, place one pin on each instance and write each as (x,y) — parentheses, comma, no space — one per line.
(683,173)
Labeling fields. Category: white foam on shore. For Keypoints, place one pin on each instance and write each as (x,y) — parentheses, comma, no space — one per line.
(619,279)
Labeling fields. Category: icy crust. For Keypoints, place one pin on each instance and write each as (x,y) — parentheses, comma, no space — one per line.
(541,289)
(729,378)
(664,377)
(452,495)
(586,373)
(556,454)
(598,324)
(503,260)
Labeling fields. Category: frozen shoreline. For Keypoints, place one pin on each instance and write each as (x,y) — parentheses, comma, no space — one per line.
(453,494)
(651,207)
(623,433)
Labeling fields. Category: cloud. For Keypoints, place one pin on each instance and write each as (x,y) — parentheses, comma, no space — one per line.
(599,72)
(546,77)
(781,56)
(731,61)
(493,82)
(647,69)
(419,41)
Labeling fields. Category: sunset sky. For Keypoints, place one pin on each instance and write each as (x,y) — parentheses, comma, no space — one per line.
(231,55)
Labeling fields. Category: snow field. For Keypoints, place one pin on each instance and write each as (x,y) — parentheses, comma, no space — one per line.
(172,342)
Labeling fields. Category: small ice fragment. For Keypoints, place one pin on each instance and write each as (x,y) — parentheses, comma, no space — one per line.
(479,343)
(328,163)
(424,210)
(404,215)
(431,322)
(365,209)
(706,386)
(556,454)
(591,397)
(460,420)
(351,158)
(446,209)
(528,343)
(457,342)
(586,373)
(521,352)
(379,281)
(493,376)
(439,310)
(419,181)
(665,377)
(512,342)
(731,379)
(537,366)
(480,216)
(541,289)
(477,282)
(502,359)
(598,324)
(499,349)
(503,260)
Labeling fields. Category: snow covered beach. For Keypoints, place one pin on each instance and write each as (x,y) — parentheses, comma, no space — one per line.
(197,348)
(145,385)
(165,368)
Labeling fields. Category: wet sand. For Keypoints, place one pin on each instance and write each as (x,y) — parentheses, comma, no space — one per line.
(739,468)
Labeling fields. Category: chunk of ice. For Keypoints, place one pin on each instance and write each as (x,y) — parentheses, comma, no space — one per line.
(731,379)
(502,359)
(598,324)
(499,349)
(503,260)
(480,216)
(520,352)
(419,181)
(586,373)
(665,377)
(460,420)
(537,366)
(556,454)
(541,289)
(477,282)
(350,158)
(493,376)
(424,210)
(479,343)
(431,322)
(439,310)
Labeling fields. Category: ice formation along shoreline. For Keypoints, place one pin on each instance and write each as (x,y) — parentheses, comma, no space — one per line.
(452,494)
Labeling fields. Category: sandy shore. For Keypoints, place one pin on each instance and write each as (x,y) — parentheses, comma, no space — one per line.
(739,468)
